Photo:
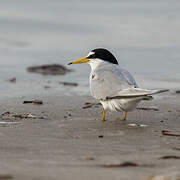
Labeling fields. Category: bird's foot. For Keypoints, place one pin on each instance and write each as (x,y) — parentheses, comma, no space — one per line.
(124,118)
(103,117)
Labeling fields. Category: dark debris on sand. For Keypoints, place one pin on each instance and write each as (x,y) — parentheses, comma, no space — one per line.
(119,165)
(38,102)
(12,80)
(170,133)
(11,116)
(68,83)
(49,69)
(170,157)
(6,176)
(89,105)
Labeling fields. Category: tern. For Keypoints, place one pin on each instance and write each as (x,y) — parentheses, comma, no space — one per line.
(112,85)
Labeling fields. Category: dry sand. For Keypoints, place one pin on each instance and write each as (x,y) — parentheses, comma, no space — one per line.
(69,143)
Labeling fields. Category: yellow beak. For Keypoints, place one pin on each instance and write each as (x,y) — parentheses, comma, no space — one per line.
(82,60)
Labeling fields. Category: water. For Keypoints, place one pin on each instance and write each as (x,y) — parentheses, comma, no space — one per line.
(143,35)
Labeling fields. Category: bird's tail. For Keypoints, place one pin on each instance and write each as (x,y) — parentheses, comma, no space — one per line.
(139,92)
(158,91)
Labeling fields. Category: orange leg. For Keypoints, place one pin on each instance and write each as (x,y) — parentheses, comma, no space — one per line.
(103,117)
(125,116)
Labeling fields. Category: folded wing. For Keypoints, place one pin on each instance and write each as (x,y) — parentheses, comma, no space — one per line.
(114,82)
(108,80)
(135,92)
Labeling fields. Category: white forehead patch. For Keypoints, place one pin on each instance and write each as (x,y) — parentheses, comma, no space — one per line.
(91,53)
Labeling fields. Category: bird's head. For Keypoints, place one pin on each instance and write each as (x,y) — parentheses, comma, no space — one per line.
(99,54)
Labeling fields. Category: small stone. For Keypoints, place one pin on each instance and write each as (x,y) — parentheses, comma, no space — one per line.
(100,136)
(12,80)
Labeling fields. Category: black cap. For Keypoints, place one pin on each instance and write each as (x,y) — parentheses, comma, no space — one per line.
(103,54)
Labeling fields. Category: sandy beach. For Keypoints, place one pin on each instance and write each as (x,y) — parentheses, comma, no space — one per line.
(65,141)
(58,137)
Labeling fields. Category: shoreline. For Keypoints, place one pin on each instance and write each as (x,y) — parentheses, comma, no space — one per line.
(69,142)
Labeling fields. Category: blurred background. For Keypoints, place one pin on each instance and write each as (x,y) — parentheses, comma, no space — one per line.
(143,35)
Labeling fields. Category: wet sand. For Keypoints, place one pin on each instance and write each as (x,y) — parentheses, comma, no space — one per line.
(69,143)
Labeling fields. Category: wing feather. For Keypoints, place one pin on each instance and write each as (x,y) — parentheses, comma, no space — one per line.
(136,92)
(110,79)
(112,82)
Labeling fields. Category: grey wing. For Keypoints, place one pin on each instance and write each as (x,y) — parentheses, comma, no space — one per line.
(129,78)
(109,80)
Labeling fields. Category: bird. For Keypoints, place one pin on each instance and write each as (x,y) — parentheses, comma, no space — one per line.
(113,86)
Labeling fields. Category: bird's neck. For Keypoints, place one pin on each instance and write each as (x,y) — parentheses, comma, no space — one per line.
(96,63)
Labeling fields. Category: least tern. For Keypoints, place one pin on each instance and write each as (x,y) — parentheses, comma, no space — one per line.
(113,86)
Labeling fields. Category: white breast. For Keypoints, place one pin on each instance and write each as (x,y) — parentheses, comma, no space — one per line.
(127,104)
